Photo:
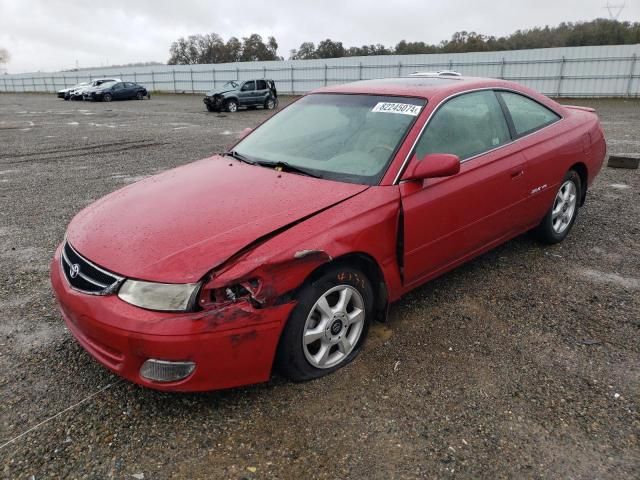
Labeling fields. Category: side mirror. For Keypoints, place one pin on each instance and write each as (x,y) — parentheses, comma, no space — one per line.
(433,165)
(244,133)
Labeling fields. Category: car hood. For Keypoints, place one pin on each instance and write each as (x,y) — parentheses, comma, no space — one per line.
(176,226)
(219,91)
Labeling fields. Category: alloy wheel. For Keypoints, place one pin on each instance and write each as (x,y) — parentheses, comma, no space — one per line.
(333,327)
(564,206)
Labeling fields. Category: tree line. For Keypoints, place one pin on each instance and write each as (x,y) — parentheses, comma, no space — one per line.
(211,48)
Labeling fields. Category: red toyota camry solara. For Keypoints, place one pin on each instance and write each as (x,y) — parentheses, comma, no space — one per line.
(280,253)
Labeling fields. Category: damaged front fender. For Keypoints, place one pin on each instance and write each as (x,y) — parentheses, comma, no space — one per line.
(264,284)
(270,272)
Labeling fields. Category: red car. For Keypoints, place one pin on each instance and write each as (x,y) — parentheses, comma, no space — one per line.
(280,253)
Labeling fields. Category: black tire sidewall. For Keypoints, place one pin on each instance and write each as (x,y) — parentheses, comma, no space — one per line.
(290,359)
(107,97)
(545,231)
(139,96)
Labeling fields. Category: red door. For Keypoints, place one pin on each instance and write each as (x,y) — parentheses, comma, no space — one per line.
(448,220)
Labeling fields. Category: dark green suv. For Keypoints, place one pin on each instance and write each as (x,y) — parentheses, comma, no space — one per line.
(242,93)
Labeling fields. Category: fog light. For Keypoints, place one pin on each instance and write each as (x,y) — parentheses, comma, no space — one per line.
(165,371)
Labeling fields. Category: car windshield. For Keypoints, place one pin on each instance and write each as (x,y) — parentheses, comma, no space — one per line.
(230,84)
(107,84)
(349,138)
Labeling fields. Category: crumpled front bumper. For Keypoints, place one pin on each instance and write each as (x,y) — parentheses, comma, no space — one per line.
(215,101)
(231,347)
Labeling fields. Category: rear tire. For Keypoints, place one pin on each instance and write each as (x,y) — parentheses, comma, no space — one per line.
(140,96)
(328,326)
(557,223)
(270,103)
(107,97)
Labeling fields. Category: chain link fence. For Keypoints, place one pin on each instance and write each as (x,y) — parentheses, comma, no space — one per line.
(604,71)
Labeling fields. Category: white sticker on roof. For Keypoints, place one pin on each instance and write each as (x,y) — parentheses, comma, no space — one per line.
(403,108)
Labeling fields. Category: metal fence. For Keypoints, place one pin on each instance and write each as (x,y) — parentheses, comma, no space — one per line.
(598,71)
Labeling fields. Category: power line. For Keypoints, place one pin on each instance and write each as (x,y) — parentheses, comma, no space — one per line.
(615,10)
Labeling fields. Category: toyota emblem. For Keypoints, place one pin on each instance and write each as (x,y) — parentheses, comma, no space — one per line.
(74,271)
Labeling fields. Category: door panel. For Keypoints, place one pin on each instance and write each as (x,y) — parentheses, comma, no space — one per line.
(117,91)
(446,219)
(131,89)
(246,93)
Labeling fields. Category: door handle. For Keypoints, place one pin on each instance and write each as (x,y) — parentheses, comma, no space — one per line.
(516,173)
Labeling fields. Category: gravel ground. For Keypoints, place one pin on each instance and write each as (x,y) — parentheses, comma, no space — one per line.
(523,363)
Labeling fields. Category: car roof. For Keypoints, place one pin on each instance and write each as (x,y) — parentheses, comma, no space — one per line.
(423,87)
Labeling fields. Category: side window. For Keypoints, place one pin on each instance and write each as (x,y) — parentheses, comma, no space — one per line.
(527,115)
(117,86)
(248,86)
(261,85)
(465,126)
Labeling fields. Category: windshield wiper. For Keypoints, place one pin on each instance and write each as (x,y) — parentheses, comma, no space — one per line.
(238,156)
(287,167)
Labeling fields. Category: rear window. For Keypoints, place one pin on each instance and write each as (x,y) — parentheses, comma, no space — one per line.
(527,114)
(261,85)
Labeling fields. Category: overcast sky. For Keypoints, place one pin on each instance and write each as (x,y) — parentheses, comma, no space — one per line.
(49,35)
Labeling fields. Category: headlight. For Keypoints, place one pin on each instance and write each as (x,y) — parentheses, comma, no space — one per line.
(170,297)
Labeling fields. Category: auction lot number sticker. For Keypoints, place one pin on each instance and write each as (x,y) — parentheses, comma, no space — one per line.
(402,108)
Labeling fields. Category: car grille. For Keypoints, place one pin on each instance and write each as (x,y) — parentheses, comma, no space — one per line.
(86,276)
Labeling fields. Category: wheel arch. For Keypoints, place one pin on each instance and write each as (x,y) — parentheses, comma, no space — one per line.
(581,169)
(370,267)
(360,260)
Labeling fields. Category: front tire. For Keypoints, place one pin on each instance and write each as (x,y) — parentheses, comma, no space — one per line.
(231,106)
(557,223)
(328,326)
(107,97)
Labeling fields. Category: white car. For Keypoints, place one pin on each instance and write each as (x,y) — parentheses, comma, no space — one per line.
(62,93)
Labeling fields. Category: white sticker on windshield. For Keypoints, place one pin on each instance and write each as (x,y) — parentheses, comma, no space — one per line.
(403,108)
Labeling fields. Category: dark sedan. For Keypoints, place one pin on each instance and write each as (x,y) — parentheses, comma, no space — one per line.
(116,91)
